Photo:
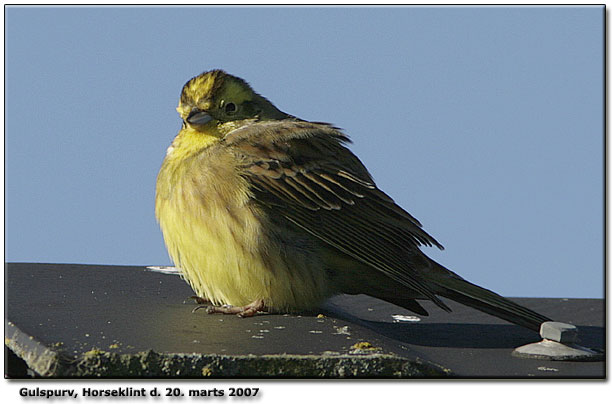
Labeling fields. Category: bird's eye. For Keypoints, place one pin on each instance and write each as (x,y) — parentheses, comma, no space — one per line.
(230,108)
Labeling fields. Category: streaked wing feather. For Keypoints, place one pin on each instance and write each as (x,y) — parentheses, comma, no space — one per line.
(302,171)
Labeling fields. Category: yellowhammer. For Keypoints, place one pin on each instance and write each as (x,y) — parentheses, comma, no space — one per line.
(263,211)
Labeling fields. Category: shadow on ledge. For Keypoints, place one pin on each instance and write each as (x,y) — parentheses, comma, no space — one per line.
(472,335)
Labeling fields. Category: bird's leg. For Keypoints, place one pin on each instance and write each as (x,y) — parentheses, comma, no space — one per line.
(242,311)
(200,300)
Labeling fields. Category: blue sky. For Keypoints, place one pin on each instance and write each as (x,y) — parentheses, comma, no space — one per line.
(486,123)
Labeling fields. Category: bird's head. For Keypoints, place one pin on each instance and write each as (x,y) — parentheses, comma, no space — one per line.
(217,102)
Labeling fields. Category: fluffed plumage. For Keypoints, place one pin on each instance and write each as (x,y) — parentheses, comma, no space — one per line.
(262,210)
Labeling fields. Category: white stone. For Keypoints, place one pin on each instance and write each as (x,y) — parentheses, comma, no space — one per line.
(560,332)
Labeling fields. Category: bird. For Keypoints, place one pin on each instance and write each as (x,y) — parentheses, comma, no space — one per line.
(264,212)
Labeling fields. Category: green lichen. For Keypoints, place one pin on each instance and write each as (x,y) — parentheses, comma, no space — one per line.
(99,363)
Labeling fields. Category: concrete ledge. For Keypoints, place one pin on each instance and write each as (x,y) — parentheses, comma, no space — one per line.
(50,362)
(111,321)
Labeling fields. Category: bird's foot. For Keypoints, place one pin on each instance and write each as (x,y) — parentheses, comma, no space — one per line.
(249,310)
(200,300)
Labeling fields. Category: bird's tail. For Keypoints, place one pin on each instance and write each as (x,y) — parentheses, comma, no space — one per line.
(452,286)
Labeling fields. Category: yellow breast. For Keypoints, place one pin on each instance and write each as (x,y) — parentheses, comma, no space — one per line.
(226,249)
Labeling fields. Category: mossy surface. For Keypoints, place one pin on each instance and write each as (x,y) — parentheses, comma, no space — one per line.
(97,363)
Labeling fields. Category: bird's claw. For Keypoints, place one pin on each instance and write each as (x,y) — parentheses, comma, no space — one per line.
(200,300)
(249,310)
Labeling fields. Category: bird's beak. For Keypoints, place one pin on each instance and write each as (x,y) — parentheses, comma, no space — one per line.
(197,117)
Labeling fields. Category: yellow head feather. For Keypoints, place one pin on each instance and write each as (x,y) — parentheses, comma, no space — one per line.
(211,90)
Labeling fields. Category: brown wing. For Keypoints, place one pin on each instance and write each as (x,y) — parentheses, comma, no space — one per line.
(302,171)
